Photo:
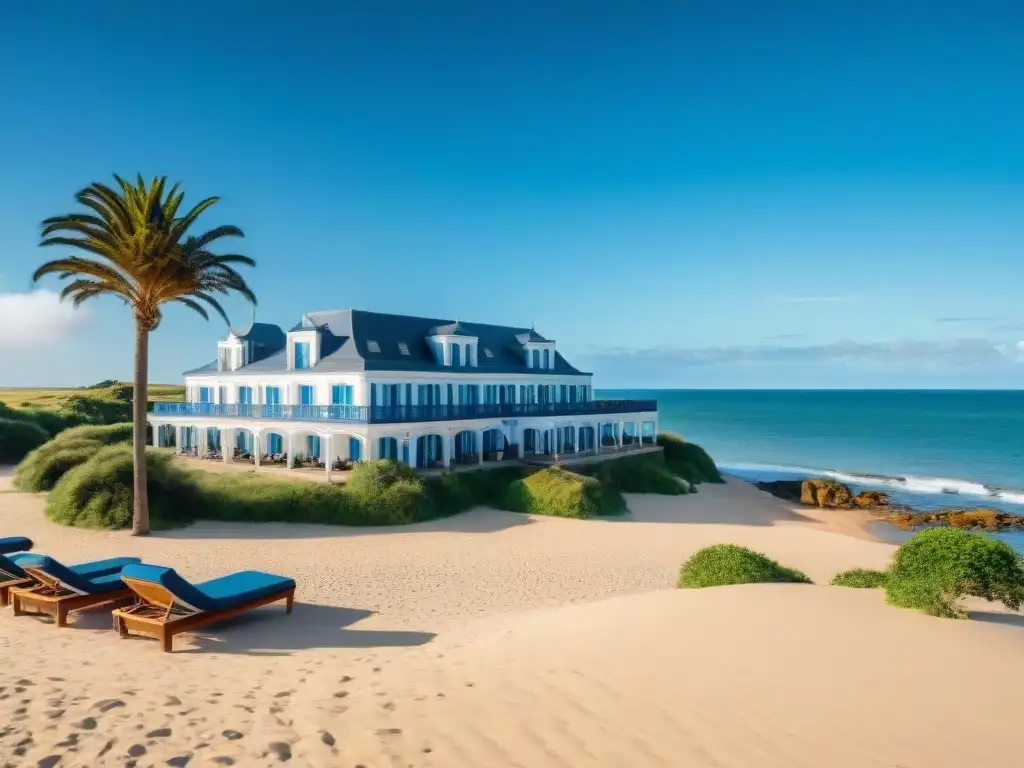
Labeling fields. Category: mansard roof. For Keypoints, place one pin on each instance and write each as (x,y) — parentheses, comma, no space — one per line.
(350,339)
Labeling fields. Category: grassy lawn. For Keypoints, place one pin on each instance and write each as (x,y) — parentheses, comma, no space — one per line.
(53,397)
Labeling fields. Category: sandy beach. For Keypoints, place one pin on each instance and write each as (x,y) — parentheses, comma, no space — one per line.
(497,639)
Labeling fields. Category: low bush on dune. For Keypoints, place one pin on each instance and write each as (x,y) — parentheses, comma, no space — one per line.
(43,467)
(860,578)
(938,567)
(645,473)
(98,492)
(18,438)
(688,460)
(723,564)
(558,492)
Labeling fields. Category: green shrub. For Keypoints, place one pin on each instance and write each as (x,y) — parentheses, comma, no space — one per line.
(646,473)
(42,468)
(558,492)
(98,493)
(454,492)
(935,569)
(688,459)
(860,578)
(18,438)
(723,564)
(81,409)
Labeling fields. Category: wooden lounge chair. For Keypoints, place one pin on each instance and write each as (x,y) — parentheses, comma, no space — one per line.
(56,589)
(11,574)
(168,604)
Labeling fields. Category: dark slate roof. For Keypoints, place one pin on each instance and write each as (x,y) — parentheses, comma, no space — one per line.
(346,334)
(451,329)
(530,335)
(263,334)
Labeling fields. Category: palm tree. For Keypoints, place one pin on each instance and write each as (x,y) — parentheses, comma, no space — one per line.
(140,251)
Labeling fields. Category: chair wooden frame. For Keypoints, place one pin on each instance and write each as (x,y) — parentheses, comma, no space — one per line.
(158,613)
(50,597)
(7,583)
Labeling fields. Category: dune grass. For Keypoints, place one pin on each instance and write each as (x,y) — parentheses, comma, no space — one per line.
(723,564)
(19,437)
(860,578)
(54,397)
(43,467)
(560,493)
(937,568)
(688,460)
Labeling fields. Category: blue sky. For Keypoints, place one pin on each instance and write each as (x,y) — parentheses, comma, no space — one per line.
(731,194)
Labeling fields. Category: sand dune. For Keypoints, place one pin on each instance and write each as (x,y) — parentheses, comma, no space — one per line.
(493,639)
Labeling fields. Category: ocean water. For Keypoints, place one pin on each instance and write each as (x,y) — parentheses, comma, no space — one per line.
(927,449)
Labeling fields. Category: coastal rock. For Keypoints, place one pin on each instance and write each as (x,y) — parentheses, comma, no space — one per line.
(821,492)
(870,499)
(827,494)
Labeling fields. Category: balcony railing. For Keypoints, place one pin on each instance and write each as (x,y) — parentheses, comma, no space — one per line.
(392,414)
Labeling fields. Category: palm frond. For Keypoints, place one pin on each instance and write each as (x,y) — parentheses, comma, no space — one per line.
(140,250)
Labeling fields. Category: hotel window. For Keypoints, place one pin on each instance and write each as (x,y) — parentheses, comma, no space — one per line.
(245,395)
(547,359)
(403,348)
(536,358)
(456,356)
(341,394)
(372,346)
(301,355)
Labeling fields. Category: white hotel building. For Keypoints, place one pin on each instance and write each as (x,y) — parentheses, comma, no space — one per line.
(350,385)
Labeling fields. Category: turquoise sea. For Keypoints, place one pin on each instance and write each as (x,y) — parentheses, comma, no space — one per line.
(927,449)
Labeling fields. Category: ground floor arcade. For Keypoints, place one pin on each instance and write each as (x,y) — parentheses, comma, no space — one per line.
(428,445)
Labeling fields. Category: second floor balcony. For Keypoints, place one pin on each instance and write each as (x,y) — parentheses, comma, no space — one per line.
(394,414)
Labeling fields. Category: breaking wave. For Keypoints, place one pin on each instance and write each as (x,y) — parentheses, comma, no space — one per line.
(909,484)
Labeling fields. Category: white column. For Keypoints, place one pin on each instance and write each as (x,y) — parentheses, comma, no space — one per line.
(256,449)
(344,451)
(413,446)
(204,440)
(156,435)
(618,434)
(597,437)
(291,451)
(227,444)
(480,446)
(576,440)
(446,444)
(326,455)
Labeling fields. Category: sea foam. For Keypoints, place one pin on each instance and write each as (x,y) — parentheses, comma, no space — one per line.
(909,484)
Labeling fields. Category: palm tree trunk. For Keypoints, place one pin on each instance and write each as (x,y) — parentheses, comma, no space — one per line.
(140,399)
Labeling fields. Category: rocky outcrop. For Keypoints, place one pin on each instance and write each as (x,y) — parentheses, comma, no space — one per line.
(824,493)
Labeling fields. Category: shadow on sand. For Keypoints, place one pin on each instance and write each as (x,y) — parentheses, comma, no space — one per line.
(269,631)
(709,507)
(998,617)
(478,520)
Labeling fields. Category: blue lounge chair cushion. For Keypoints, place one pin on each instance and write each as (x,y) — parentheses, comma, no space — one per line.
(93,582)
(221,594)
(10,564)
(9,544)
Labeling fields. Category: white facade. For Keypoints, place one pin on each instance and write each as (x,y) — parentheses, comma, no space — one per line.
(458,412)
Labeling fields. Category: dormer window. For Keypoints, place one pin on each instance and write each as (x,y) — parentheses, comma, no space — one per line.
(403,348)
(231,354)
(373,346)
(302,358)
(454,345)
(303,348)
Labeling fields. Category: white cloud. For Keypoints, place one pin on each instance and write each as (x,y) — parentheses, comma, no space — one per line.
(37,319)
